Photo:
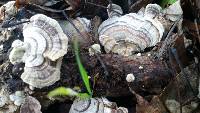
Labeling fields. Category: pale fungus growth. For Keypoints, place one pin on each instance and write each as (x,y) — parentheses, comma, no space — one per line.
(17,53)
(139,54)
(116,10)
(82,24)
(47,34)
(196,60)
(18,97)
(30,105)
(152,11)
(31,88)
(95,48)
(131,33)
(3,96)
(95,105)
(122,110)
(174,106)
(130,77)
(3,101)
(174,11)
(141,67)
(6,105)
(1,49)
(8,10)
(42,75)
(44,45)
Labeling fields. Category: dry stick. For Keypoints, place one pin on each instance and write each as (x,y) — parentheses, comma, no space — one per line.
(7,24)
(179,95)
(133,5)
(168,35)
(90,3)
(195,22)
(46,8)
(173,50)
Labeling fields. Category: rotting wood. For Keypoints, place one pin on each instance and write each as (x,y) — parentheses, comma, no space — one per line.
(152,78)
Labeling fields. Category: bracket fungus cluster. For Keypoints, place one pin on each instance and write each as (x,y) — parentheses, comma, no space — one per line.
(116,53)
(132,32)
(96,105)
(81,23)
(42,50)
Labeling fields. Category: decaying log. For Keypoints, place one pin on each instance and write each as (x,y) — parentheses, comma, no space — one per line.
(107,75)
(109,79)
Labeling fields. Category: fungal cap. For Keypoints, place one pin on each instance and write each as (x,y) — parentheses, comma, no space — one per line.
(131,33)
(95,48)
(94,105)
(114,10)
(8,10)
(152,10)
(43,75)
(17,53)
(52,41)
(130,77)
(174,11)
(123,46)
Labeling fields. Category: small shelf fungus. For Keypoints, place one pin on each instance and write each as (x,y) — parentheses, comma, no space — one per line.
(96,105)
(42,50)
(8,10)
(82,24)
(132,32)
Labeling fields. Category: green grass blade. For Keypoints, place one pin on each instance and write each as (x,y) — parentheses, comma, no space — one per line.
(82,70)
(165,3)
(62,91)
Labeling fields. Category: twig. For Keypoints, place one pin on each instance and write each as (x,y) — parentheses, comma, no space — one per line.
(160,53)
(173,50)
(103,65)
(45,8)
(8,23)
(71,22)
(195,22)
(110,9)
